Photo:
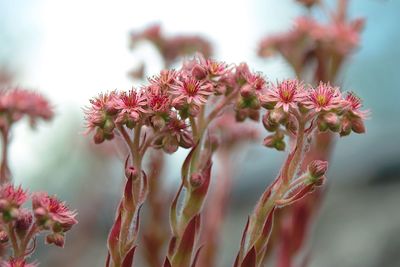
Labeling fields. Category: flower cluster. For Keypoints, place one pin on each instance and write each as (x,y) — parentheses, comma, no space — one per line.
(19,226)
(173,97)
(324,107)
(17,103)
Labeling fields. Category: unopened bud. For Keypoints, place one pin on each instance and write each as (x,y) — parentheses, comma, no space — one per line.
(247,91)
(317,168)
(57,239)
(332,121)
(99,136)
(24,221)
(199,72)
(278,116)
(254,115)
(345,128)
(170,144)
(108,126)
(158,122)
(131,172)
(357,125)
(3,237)
(196,179)
(269,125)
(186,140)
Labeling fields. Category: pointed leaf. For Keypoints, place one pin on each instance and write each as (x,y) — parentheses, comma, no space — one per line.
(167,263)
(129,202)
(262,241)
(128,260)
(250,258)
(186,165)
(196,256)
(172,246)
(296,194)
(173,216)
(108,259)
(183,255)
(113,239)
(144,189)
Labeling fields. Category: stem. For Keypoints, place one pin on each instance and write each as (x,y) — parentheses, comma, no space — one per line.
(27,239)
(4,170)
(262,209)
(13,238)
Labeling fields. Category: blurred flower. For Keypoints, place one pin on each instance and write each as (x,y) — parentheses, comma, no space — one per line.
(52,213)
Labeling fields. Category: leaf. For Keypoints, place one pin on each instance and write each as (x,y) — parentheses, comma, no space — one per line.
(250,258)
(113,239)
(144,189)
(297,194)
(262,241)
(186,165)
(183,255)
(196,256)
(167,263)
(128,260)
(173,216)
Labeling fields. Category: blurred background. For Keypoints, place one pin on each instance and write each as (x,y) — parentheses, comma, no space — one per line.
(73,50)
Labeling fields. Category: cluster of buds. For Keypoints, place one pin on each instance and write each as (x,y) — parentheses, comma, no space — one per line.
(19,226)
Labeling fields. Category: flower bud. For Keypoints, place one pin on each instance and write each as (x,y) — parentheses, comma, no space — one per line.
(196,179)
(131,172)
(346,126)
(56,239)
(99,136)
(317,168)
(170,144)
(254,115)
(240,115)
(332,121)
(199,72)
(24,221)
(247,91)
(357,125)
(3,237)
(158,122)
(278,116)
(269,125)
(186,140)
(108,126)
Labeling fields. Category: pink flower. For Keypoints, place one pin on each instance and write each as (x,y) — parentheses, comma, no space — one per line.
(353,104)
(130,106)
(286,94)
(164,80)
(158,101)
(14,196)
(323,98)
(213,67)
(190,91)
(101,107)
(17,263)
(51,212)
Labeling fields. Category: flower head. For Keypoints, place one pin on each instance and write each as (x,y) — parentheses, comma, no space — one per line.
(286,94)
(101,108)
(188,90)
(11,199)
(323,98)
(353,104)
(52,213)
(130,106)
